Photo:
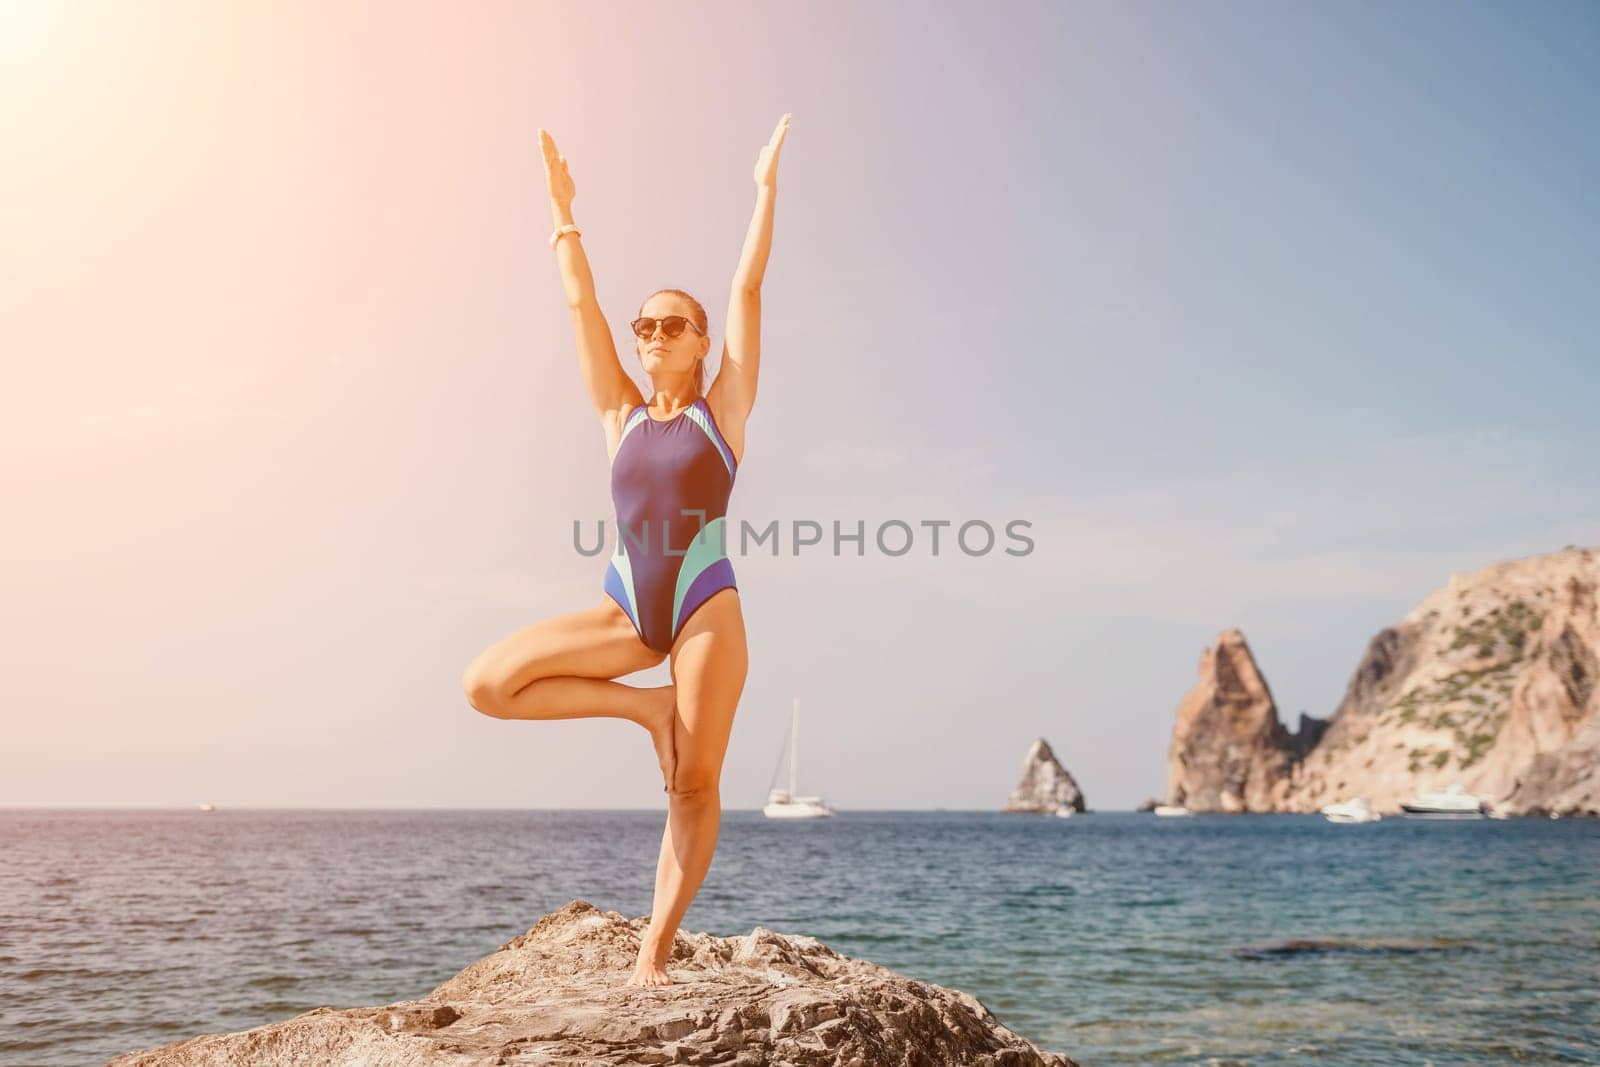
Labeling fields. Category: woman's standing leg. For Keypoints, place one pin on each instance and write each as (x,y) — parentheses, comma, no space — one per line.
(709,663)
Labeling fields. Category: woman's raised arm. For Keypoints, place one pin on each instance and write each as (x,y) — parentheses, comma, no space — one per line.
(733,394)
(609,386)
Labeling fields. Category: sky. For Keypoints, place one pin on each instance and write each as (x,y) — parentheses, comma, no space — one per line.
(1261,316)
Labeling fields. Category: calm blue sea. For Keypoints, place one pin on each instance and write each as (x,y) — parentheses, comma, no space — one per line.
(1117,938)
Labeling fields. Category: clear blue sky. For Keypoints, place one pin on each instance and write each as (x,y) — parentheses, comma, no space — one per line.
(1268,316)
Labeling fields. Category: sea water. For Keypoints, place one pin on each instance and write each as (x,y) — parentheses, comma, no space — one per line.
(1114,937)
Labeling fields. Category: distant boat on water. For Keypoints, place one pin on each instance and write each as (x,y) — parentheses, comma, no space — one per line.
(206,805)
(1452,803)
(786,803)
(1355,809)
(1171,809)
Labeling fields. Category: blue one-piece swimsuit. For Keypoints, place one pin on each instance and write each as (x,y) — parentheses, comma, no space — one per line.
(670,483)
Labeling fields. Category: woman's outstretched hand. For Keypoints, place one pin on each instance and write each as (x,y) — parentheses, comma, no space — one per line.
(556,174)
(767,162)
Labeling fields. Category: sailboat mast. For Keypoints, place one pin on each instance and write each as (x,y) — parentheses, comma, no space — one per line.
(794,745)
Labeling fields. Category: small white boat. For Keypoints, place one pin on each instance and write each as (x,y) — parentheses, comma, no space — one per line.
(1452,803)
(1172,809)
(1063,812)
(787,803)
(206,805)
(1356,809)
(784,805)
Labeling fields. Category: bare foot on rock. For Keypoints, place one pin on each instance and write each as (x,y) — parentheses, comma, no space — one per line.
(650,969)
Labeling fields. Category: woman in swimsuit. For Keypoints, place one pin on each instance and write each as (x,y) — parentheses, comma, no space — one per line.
(669,588)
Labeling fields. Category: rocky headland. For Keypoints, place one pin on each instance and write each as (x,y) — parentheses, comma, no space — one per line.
(1490,681)
(557,996)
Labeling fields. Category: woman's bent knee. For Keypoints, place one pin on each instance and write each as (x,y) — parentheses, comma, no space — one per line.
(482,689)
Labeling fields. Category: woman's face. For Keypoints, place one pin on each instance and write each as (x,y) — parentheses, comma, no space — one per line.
(670,355)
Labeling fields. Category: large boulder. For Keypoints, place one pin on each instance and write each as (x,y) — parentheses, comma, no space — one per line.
(557,996)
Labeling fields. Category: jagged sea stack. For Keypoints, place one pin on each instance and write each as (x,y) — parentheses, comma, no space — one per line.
(1229,752)
(1046,787)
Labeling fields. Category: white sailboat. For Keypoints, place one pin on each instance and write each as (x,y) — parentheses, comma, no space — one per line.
(786,803)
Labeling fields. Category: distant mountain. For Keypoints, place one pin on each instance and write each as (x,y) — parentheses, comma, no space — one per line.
(1490,681)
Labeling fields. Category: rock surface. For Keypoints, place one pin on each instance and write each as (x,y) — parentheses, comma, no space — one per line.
(1045,786)
(1490,681)
(558,995)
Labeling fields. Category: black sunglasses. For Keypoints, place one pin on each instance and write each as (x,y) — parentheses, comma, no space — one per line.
(672,326)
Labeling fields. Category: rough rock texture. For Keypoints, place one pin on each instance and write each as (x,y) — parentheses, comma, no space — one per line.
(1046,786)
(1490,681)
(1565,781)
(558,995)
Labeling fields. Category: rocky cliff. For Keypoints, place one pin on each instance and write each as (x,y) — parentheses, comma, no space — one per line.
(1490,681)
(557,996)
(1045,786)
